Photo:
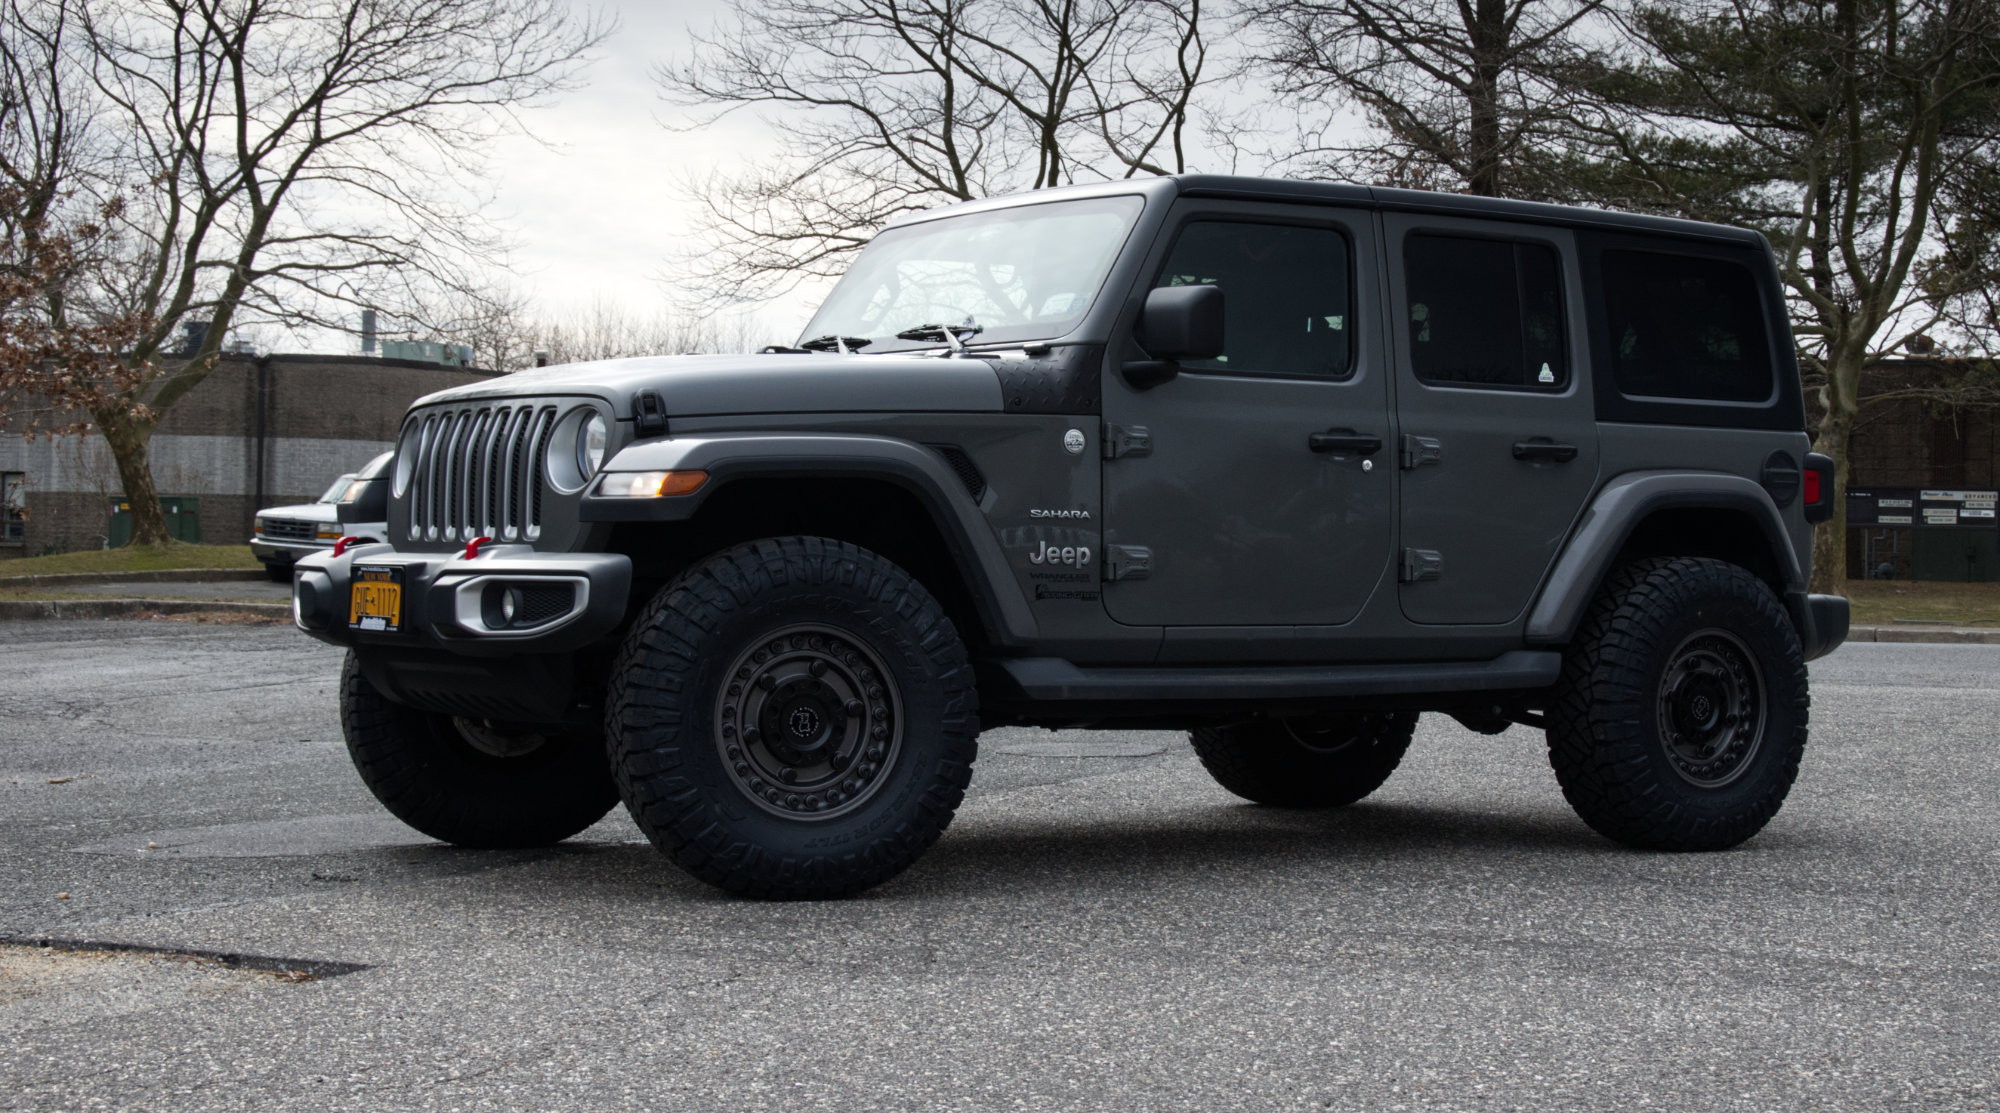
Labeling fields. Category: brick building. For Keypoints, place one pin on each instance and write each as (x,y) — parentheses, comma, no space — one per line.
(259,431)
(1924,476)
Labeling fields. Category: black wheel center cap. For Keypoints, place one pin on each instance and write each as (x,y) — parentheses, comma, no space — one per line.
(800,717)
(1700,706)
(803,723)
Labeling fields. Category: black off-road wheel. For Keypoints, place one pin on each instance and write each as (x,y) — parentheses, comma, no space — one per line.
(1680,718)
(474,782)
(1326,761)
(793,718)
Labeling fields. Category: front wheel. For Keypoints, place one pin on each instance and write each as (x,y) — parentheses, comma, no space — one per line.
(1324,761)
(1680,717)
(793,718)
(473,782)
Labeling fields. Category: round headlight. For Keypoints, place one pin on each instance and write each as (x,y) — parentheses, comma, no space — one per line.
(590,442)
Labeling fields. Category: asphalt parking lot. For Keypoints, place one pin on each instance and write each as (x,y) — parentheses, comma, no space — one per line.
(1102,928)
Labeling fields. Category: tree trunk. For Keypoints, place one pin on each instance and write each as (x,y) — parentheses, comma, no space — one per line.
(129,440)
(1829,567)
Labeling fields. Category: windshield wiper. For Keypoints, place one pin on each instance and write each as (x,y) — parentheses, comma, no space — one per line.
(845,345)
(950,334)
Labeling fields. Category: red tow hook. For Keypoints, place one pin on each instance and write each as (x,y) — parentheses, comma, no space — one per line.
(345,544)
(473,546)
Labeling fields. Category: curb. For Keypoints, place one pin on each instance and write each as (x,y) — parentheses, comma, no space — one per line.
(163,576)
(57,609)
(1954,635)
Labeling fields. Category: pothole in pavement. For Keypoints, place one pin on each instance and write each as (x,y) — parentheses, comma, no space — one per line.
(63,981)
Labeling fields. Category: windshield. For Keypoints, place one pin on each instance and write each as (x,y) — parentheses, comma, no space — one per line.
(1007,276)
(338,489)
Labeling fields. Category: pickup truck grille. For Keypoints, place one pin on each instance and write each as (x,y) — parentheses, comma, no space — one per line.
(290,529)
(478,473)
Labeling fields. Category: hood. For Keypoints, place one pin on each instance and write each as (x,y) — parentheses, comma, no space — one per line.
(303,512)
(694,386)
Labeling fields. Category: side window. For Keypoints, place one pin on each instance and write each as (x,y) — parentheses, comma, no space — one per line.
(1288,309)
(1685,326)
(1485,313)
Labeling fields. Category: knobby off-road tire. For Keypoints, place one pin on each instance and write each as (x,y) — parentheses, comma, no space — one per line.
(1680,717)
(1323,762)
(793,718)
(470,782)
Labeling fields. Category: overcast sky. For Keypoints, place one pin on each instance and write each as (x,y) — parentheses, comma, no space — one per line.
(595,208)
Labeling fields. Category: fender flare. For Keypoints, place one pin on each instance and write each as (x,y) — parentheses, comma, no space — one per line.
(727,457)
(1618,509)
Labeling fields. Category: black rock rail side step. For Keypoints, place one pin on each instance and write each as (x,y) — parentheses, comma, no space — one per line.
(293,969)
(1051,678)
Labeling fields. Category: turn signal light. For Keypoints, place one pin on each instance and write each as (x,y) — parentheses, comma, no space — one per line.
(651,484)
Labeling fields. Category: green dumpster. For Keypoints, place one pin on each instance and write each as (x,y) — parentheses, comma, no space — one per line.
(183,520)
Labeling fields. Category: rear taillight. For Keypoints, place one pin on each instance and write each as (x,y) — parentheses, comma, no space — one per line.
(1818,487)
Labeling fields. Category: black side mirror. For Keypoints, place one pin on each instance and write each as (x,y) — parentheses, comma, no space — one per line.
(1179,322)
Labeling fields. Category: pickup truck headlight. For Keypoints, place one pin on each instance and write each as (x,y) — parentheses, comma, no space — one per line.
(257,524)
(591,439)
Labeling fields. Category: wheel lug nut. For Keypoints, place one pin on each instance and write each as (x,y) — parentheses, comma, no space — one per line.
(742,769)
(736,689)
(839,762)
(851,784)
(778,646)
(728,730)
(881,712)
(743,673)
(817,668)
(767,682)
(735,754)
(788,775)
(874,753)
(879,731)
(752,734)
(854,708)
(833,797)
(729,712)
(793,800)
(867,768)
(874,691)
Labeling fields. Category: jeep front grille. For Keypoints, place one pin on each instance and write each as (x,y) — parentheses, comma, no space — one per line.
(479,474)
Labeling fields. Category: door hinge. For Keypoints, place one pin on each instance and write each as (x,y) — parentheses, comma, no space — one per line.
(1127,440)
(1127,562)
(1418,451)
(1421,564)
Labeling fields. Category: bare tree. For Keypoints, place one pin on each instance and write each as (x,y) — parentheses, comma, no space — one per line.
(59,351)
(882,107)
(505,331)
(1850,132)
(287,164)
(1469,95)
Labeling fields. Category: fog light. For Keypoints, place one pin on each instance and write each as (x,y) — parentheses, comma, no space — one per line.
(510,604)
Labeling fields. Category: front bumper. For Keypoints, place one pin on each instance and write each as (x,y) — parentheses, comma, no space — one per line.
(285,552)
(448,601)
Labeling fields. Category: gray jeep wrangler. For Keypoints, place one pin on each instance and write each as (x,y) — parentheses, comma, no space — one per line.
(1281,464)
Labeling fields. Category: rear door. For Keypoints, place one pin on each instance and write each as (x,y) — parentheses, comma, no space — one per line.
(1241,520)
(1499,433)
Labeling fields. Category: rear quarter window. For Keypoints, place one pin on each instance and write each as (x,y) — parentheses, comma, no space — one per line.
(1688,330)
(1685,326)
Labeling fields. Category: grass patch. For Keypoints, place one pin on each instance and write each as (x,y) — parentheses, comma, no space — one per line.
(132,558)
(1880,603)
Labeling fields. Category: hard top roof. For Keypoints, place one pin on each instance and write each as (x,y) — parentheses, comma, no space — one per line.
(1224,186)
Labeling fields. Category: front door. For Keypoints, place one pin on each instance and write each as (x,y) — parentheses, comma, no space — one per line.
(1232,512)
(1499,430)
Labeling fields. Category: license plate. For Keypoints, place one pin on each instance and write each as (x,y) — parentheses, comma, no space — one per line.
(375,601)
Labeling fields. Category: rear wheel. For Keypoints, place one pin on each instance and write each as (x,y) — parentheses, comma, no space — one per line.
(1325,761)
(793,718)
(1680,718)
(474,782)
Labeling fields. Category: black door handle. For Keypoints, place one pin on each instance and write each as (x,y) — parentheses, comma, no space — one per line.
(1542,448)
(1344,442)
